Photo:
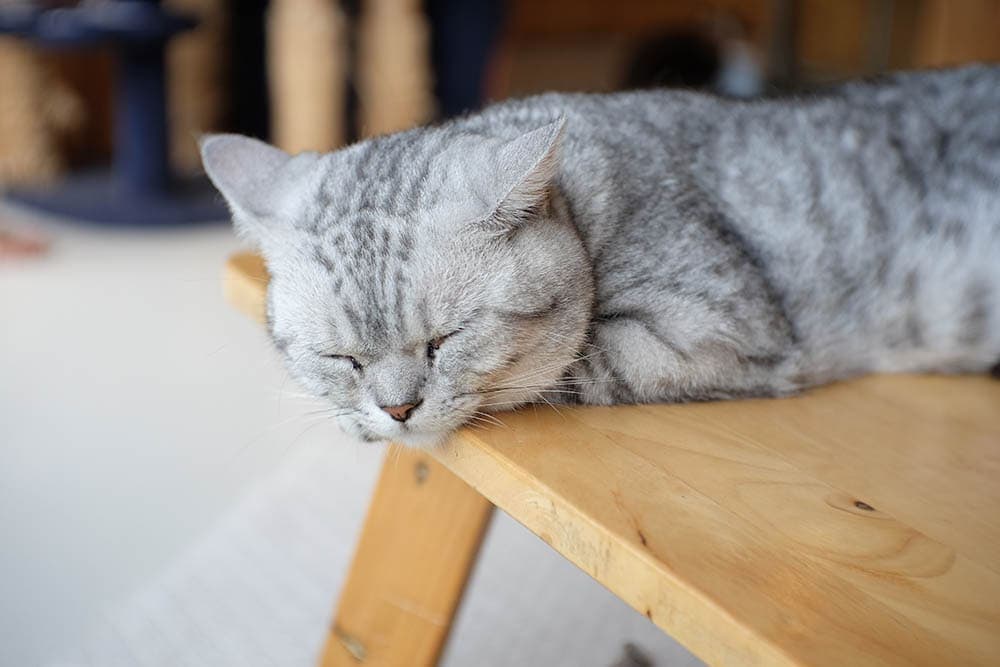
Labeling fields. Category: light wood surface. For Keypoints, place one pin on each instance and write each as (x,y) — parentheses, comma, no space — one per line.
(858,524)
(244,284)
(744,529)
(419,542)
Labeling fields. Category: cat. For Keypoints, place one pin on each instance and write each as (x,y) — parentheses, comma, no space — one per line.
(654,246)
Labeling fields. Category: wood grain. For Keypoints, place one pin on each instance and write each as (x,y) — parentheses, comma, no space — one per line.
(775,532)
(418,545)
(858,524)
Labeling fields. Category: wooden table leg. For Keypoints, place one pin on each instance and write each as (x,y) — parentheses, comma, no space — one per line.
(417,547)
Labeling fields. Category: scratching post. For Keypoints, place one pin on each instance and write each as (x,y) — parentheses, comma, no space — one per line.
(394,72)
(307,66)
(196,80)
(34,110)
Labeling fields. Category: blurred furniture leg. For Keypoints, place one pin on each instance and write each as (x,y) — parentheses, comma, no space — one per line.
(417,547)
(394,71)
(307,66)
(196,85)
(465,34)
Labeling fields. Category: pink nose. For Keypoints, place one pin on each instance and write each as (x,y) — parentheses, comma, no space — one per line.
(400,412)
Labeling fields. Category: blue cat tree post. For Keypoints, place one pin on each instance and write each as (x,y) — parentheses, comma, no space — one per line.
(139,188)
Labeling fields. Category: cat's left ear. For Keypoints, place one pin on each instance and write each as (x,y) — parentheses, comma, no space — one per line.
(526,167)
(260,184)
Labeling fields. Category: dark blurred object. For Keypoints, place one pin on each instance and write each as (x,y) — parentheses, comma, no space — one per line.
(249,108)
(633,657)
(678,58)
(713,55)
(140,188)
(599,46)
(124,23)
(464,34)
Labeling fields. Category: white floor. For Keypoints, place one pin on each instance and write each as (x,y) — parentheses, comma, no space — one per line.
(164,502)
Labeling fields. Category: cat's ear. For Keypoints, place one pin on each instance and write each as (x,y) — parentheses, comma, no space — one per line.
(258,181)
(525,169)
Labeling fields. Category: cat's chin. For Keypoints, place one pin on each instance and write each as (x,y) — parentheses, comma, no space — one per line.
(408,437)
(419,440)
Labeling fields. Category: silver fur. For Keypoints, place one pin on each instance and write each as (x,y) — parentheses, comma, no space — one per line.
(636,247)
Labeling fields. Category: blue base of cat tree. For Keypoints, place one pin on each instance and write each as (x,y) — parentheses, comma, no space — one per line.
(98,197)
(139,188)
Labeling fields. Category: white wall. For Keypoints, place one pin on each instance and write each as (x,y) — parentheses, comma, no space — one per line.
(148,439)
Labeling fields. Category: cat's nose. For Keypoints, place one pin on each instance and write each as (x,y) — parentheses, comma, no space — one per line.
(401,412)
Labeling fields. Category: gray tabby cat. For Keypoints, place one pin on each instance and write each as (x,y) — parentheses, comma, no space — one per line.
(635,247)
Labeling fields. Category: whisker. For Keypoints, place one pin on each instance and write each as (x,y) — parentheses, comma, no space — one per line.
(532,388)
(534,373)
(500,404)
(491,418)
(302,433)
(329,412)
(474,419)
(549,403)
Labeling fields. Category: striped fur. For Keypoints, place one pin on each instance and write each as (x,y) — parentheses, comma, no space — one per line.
(637,247)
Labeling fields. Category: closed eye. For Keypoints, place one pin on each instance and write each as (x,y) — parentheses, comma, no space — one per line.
(345,357)
(435,344)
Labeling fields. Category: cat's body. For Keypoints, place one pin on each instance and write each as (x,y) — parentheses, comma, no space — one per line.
(640,247)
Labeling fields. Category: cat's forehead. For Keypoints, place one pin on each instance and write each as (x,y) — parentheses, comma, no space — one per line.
(396,175)
(359,309)
(364,244)
(376,282)
(380,245)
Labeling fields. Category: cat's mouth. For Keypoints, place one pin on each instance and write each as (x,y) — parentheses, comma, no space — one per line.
(434,424)
(409,434)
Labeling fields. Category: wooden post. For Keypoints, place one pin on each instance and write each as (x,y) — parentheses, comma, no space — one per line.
(196,85)
(34,107)
(307,65)
(394,71)
(417,547)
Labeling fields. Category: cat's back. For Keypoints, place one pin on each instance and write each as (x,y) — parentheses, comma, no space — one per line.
(876,208)
(955,96)
(873,207)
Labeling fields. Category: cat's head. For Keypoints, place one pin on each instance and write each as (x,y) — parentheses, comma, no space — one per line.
(417,278)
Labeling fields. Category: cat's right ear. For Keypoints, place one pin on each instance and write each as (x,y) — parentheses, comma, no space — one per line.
(258,182)
(523,169)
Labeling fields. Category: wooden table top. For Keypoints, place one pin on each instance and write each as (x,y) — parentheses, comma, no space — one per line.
(858,524)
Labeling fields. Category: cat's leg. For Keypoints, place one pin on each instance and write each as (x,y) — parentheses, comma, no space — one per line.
(628,361)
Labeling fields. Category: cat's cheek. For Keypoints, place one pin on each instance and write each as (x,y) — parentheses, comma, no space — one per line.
(312,382)
(448,365)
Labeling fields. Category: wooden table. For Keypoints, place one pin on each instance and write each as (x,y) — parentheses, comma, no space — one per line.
(856,525)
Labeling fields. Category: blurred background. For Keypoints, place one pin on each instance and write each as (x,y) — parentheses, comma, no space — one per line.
(163,498)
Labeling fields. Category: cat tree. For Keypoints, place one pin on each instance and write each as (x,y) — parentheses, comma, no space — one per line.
(140,187)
